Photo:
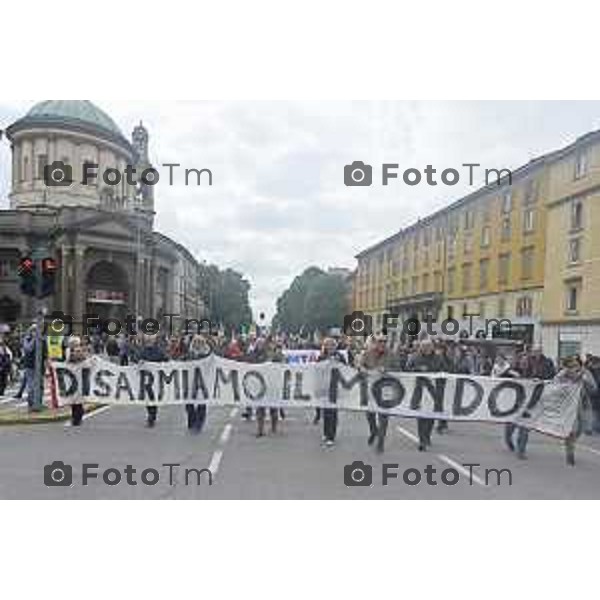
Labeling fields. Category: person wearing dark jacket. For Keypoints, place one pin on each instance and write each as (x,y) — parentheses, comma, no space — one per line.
(151,351)
(444,365)
(330,415)
(375,358)
(503,369)
(593,366)
(424,361)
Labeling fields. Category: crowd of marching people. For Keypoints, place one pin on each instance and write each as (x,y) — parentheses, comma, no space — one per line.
(376,352)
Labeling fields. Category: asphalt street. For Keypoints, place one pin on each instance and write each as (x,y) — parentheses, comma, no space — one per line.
(292,464)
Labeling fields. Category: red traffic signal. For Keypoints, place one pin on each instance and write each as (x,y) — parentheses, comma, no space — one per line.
(26,267)
(49,266)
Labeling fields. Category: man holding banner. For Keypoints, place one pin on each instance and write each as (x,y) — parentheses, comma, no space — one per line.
(375,357)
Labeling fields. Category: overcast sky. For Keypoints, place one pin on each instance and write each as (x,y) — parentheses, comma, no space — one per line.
(278,203)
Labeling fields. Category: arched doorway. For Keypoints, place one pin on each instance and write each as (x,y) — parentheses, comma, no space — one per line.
(107,291)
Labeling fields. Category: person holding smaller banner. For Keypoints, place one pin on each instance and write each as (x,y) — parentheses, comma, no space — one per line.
(574,372)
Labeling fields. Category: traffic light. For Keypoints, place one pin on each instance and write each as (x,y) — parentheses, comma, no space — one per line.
(27,274)
(49,269)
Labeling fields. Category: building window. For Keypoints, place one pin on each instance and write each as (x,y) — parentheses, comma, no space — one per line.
(501,308)
(528,220)
(451,273)
(469,219)
(41,165)
(425,283)
(468,244)
(524,307)
(485,214)
(484,267)
(482,310)
(450,310)
(6,269)
(527,255)
(426,237)
(530,193)
(574,250)
(466,282)
(504,269)
(438,281)
(25,169)
(581,164)
(577,215)
(485,237)
(506,229)
(507,201)
(572,300)
(415,286)
(405,287)
(426,258)
(452,249)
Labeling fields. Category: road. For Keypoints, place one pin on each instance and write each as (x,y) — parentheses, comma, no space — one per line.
(289,465)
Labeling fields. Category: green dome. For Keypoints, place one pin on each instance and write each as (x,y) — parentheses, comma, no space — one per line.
(74,110)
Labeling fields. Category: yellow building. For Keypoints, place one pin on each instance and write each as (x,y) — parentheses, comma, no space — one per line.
(521,251)
(571,301)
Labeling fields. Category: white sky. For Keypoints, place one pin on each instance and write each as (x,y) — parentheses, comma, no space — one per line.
(278,202)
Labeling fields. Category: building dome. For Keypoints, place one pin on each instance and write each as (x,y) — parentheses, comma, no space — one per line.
(82,111)
(77,116)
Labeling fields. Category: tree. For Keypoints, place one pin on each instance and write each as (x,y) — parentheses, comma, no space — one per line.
(225,294)
(326,303)
(316,301)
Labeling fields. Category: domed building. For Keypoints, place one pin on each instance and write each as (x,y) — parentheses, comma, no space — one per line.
(111,260)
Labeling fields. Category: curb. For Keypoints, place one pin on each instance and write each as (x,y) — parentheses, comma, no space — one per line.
(48,416)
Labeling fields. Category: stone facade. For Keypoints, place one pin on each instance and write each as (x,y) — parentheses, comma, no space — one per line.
(111,261)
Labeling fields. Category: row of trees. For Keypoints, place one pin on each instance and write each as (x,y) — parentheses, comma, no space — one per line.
(316,301)
(225,294)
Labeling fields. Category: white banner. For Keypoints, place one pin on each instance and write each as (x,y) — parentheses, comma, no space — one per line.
(545,406)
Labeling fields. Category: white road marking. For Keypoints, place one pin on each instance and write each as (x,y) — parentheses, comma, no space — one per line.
(226,434)
(445,459)
(233,413)
(408,434)
(461,469)
(215,462)
(588,448)
(91,414)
